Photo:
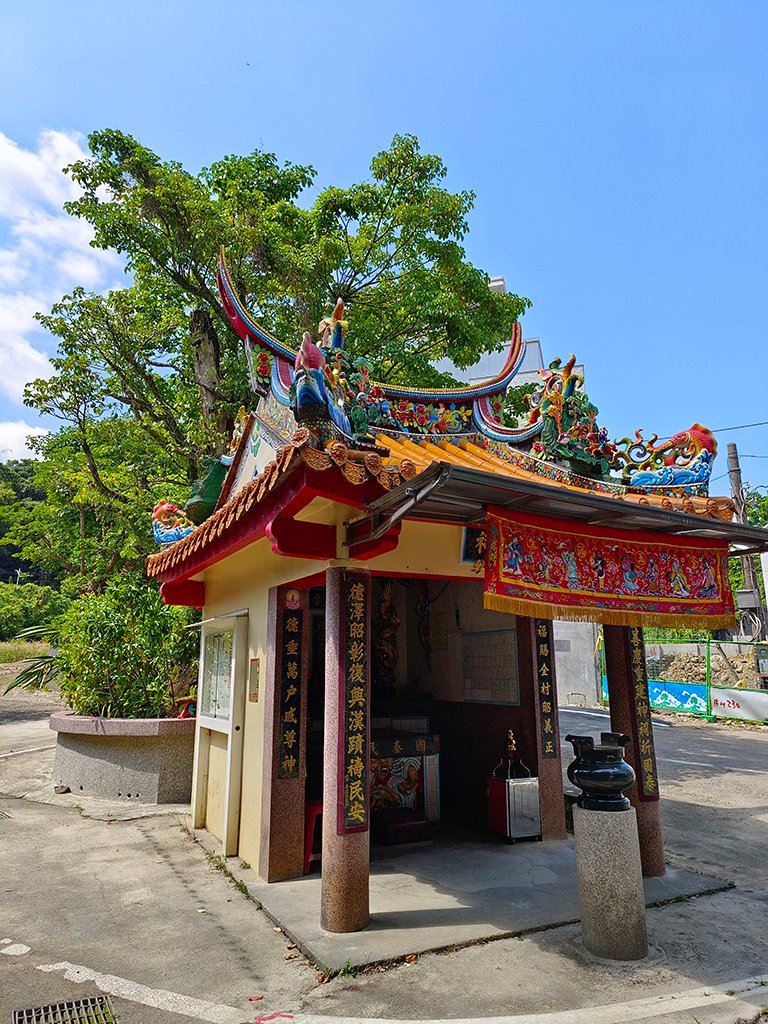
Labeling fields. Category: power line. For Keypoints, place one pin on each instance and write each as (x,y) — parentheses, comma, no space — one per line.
(722,430)
(741,426)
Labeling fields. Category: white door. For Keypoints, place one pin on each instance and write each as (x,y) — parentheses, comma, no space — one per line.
(220,714)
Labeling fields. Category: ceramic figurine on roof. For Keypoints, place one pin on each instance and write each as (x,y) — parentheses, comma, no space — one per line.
(318,393)
(685,459)
(569,430)
(332,393)
(237,433)
(170,523)
(323,388)
(331,330)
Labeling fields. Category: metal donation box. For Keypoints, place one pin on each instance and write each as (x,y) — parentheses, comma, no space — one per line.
(513,801)
(513,807)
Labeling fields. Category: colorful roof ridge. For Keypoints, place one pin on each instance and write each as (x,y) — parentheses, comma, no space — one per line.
(406,459)
(356,467)
(246,327)
(465,453)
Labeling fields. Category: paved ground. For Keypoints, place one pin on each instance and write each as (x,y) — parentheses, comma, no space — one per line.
(456,890)
(134,908)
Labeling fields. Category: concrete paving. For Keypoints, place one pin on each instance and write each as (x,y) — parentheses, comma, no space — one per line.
(441,895)
(90,903)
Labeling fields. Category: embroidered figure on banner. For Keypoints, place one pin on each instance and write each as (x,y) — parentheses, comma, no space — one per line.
(604,575)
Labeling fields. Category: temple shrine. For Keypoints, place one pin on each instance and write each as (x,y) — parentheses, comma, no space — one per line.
(378,572)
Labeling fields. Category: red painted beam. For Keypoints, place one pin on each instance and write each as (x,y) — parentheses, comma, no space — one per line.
(365,548)
(291,495)
(301,540)
(190,593)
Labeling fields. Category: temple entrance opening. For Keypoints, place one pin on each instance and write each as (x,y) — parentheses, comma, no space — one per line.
(445,693)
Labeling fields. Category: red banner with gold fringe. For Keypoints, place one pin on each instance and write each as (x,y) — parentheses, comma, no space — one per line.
(555,569)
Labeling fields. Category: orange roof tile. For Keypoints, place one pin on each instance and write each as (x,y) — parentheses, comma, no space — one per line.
(407,457)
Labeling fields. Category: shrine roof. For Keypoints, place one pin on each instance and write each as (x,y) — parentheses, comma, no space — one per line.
(451,482)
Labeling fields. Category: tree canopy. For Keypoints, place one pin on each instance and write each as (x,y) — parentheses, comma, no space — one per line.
(148,378)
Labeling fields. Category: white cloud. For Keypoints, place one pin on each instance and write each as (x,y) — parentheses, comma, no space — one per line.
(13,439)
(31,179)
(44,253)
(20,363)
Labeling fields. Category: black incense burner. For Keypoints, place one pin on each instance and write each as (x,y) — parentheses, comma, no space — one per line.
(601,772)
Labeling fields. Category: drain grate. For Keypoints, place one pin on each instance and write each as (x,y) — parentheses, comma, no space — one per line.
(96,1010)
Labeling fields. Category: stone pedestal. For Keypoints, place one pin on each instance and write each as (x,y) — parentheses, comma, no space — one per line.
(610,884)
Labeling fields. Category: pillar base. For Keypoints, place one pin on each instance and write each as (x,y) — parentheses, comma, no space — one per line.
(344,892)
(610,884)
(651,839)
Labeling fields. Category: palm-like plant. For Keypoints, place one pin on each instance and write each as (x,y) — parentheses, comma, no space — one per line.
(40,670)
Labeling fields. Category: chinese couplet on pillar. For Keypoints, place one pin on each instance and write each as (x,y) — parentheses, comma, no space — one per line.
(545,687)
(290,693)
(647,777)
(354,710)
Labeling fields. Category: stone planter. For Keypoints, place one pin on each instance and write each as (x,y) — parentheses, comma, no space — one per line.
(147,760)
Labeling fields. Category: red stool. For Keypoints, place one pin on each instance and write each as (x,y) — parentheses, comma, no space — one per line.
(313,810)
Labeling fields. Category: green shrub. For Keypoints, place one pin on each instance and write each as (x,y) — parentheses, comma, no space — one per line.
(26,604)
(124,654)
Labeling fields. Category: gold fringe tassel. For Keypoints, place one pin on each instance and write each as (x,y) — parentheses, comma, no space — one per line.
(605,616)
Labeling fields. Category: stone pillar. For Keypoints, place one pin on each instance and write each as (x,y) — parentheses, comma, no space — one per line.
(346,799)
(631,714)
(536,659)
(610,883)
(281,852)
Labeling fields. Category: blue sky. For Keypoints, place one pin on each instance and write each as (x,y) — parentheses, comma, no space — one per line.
(618,153)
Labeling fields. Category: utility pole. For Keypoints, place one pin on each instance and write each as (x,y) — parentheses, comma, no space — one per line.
(739,500)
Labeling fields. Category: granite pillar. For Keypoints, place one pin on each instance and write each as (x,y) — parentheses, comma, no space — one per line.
(630,714)
(284,692)
(610,883)
(344,899)
(538,685)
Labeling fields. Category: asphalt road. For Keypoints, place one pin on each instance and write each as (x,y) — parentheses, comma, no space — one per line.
(134,908)
(684,746)
(714,793)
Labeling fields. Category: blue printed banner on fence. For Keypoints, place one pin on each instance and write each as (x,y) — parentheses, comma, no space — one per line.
(688,697)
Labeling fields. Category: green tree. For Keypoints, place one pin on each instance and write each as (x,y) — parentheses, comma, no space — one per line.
(88,528)
(148,378)
(25,605)
(515,408)
(18,490)
(389,246)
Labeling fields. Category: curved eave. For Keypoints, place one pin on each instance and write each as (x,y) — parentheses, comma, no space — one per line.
(487,425)
(245,326)
(494,386)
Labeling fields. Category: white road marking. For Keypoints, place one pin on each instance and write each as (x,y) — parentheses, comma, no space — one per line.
(160,999)
(27,750)
(611,1013)
(17,949)
(717,767)
(615,1013)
